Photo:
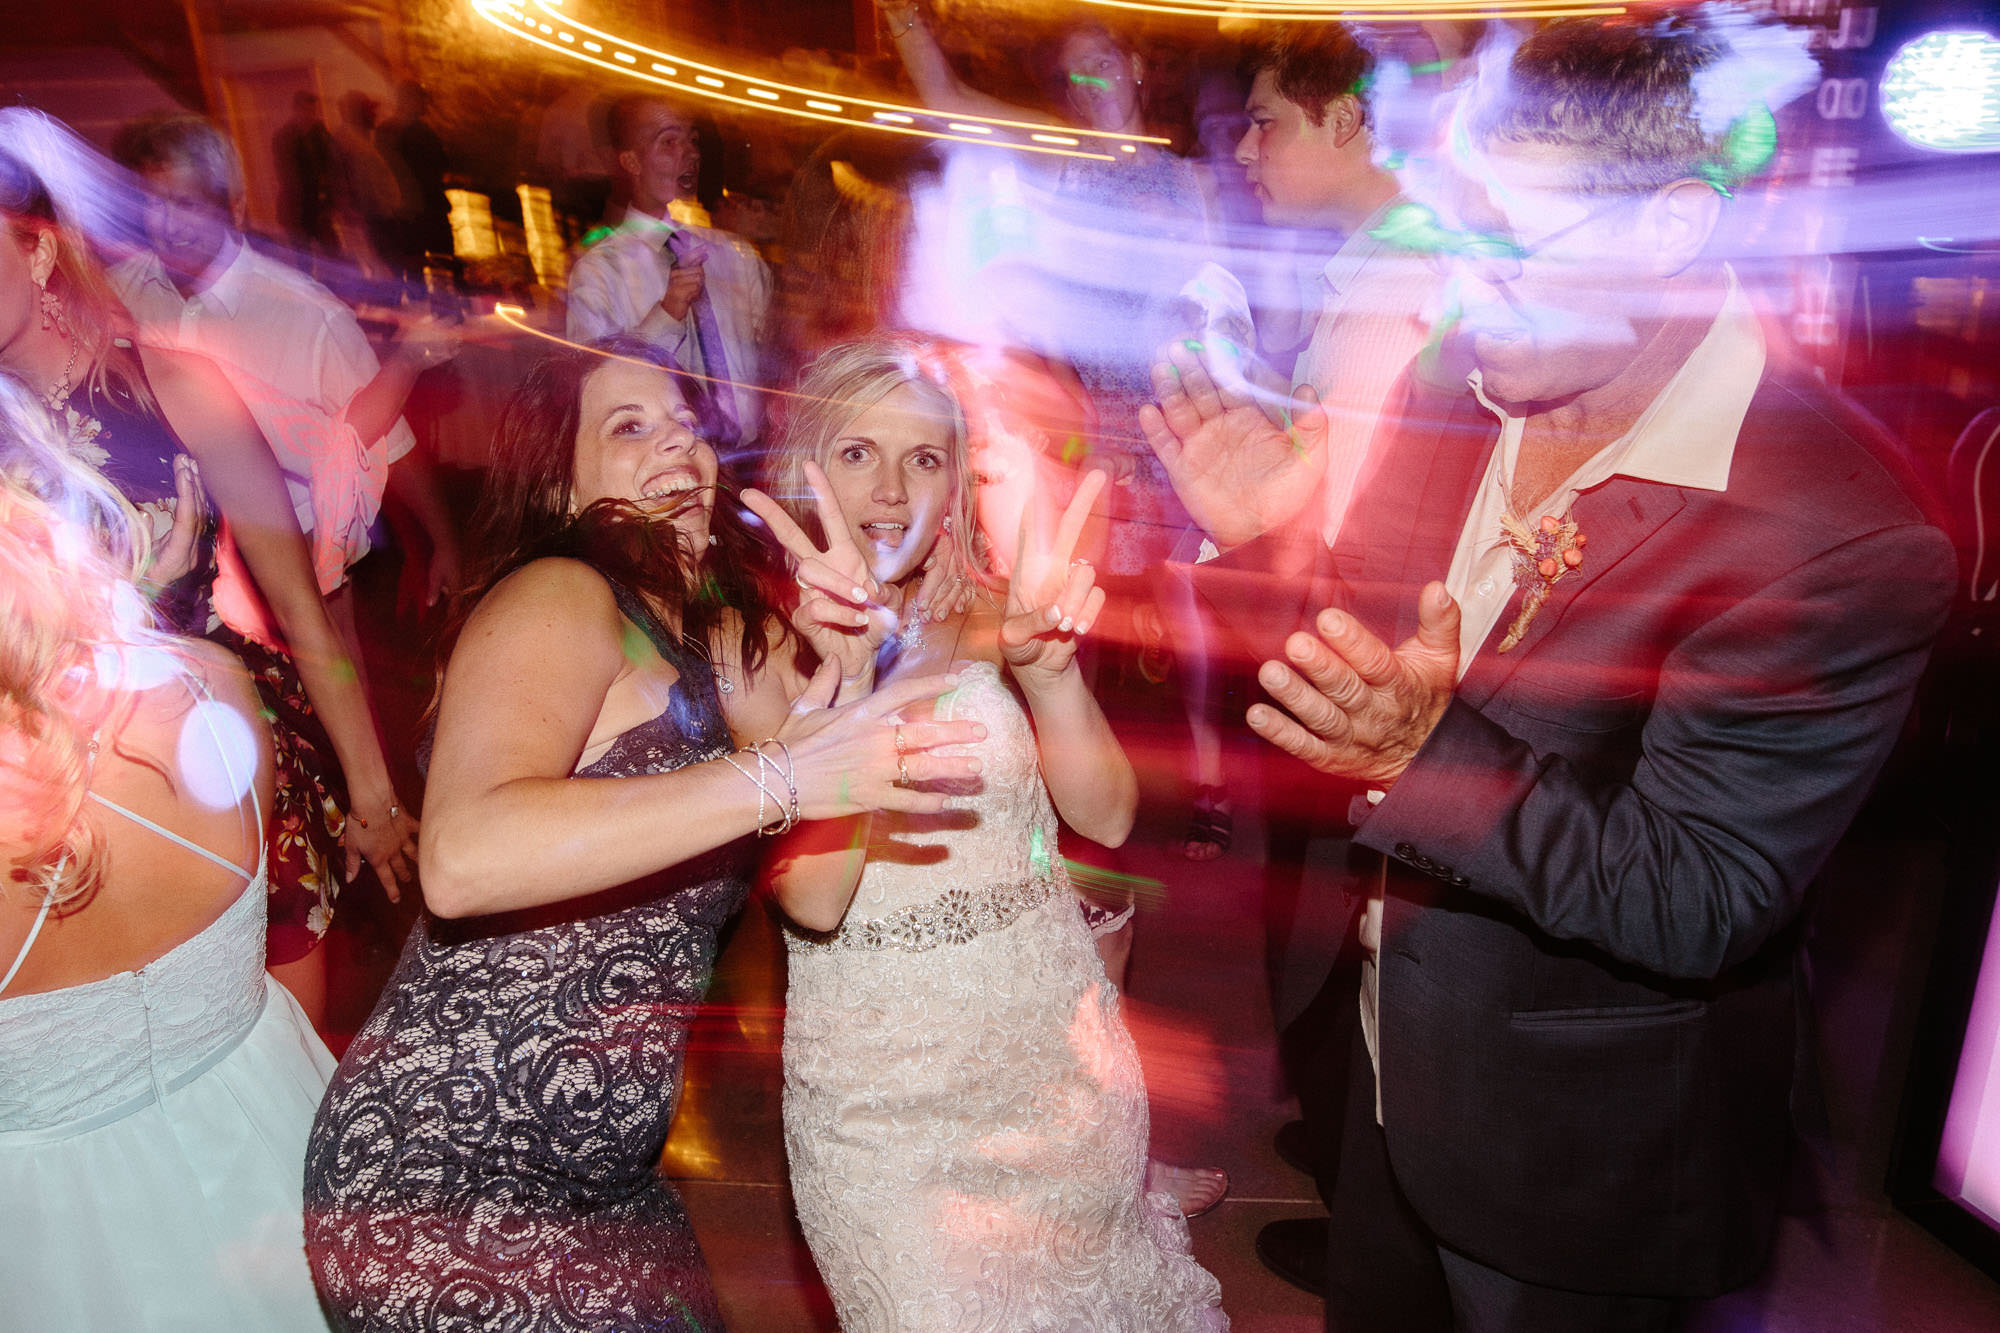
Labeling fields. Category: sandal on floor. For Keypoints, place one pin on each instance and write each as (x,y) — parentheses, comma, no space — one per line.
(1209,827)
(1194,1189)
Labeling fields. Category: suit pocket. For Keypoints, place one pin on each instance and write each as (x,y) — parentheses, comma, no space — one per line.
(1618,1015)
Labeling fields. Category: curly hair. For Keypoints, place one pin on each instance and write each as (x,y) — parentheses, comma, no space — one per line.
(70,549)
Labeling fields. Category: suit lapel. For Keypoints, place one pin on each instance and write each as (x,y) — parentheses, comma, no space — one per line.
(1421,509)
(1614,518)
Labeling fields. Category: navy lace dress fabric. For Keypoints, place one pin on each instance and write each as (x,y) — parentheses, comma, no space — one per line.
(486,1155)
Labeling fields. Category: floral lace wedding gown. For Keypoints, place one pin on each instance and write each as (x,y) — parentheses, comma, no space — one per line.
(964,1108)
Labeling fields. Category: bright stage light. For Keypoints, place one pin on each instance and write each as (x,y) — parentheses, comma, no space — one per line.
(1942,92)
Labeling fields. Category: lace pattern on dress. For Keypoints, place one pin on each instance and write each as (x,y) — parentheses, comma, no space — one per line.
(950,918)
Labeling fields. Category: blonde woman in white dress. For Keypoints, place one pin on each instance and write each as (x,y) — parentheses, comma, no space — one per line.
(964,1109)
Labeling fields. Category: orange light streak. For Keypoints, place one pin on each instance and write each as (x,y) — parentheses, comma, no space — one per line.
(545,23)
(1364,11)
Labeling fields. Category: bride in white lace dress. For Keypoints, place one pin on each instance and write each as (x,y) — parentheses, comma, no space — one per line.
(964,1109)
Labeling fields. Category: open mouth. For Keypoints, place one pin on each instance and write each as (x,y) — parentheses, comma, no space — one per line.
(883,532)
(670,490)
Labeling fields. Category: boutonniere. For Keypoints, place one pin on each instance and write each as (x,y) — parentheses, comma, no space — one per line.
(1543,556)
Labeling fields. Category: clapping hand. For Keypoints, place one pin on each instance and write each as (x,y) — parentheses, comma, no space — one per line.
(1351,705)
(1239,473)
(1052,600)
(837,613)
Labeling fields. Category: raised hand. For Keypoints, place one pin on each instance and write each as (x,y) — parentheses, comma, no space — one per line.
(836,589)
(858,757)
(1239,474)
(1052,600)
(1353,706)
(944,590)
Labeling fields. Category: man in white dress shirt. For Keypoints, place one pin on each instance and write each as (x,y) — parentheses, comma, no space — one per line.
(1310,158)
(293,351)
(702,294)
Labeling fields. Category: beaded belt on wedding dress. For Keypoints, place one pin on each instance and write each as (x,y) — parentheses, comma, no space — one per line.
(949,918)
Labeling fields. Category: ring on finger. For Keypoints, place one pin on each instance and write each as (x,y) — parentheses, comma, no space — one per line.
(902,769)
(901,748)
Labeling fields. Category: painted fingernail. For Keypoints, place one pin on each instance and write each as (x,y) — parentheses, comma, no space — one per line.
(860,593)
(1055,614)
(1065,626)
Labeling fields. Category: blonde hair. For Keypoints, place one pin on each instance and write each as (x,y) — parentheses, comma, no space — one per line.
(70,549)
(843,382)
(88,306)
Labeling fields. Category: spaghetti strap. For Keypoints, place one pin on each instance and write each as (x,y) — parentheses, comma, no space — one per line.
(33,931)
(201,695)
(172,836)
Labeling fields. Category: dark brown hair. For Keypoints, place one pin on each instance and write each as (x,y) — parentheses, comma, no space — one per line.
(1311,64)
(524,514)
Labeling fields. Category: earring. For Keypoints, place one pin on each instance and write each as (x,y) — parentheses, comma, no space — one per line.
(711,539)
(52,312)
(946,524)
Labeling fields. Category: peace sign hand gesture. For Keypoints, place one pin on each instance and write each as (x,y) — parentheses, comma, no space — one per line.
(1053,599)
(839,610)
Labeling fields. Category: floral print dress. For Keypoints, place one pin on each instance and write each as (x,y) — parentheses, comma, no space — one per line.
(111,429)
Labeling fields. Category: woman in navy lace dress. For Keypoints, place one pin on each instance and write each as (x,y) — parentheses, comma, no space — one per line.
(486,1157)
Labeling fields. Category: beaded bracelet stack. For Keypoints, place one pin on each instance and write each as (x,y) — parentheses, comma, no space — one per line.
(788,804)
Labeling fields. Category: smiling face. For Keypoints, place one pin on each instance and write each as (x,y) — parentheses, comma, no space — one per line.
(187,228)
(636,441)
(891,469)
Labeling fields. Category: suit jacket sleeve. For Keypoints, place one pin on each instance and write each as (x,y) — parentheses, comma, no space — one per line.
(1769,723)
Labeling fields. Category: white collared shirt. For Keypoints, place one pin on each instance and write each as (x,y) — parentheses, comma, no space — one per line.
(1686,437)
(287,345)
(615,286)
(1371,326)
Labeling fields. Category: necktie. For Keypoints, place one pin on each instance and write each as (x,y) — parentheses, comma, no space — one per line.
(708,335)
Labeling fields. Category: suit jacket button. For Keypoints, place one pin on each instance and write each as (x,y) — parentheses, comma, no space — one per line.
(1405,852)
(1460,882)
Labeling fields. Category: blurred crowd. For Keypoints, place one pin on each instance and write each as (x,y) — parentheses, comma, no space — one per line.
(1405,409)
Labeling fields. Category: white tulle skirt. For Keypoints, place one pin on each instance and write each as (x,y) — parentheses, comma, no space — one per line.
(183,1213)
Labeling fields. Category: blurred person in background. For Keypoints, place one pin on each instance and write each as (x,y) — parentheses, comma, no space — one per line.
(308,168)
(156,1085)
(415,153)
(142,413)
(369,196)
(331,411)
(701,294)
(1312,161)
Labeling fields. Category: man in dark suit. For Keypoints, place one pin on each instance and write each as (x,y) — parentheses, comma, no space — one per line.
(1659,612)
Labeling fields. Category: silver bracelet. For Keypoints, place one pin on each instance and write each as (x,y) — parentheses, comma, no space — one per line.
(764,793)
(791,772)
